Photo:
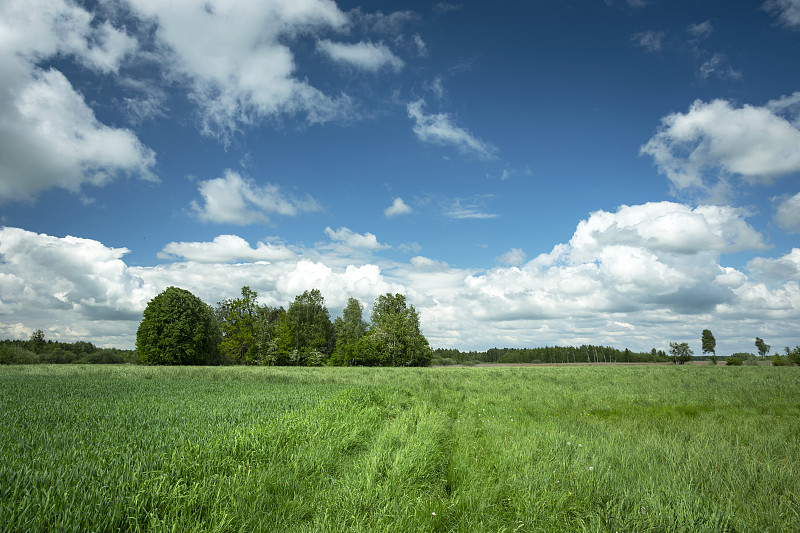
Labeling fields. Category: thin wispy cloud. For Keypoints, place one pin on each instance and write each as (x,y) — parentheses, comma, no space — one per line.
(440,128)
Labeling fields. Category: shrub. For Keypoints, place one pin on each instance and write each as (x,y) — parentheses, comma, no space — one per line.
(777,360)
(15,355)
(734,361)
(58,356)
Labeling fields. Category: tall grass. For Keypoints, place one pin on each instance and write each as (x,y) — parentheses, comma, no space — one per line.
(649,448)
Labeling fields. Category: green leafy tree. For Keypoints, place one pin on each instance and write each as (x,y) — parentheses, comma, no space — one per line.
(396,333)
(178,329)
(37,343)
(762,347)
(349,328)
(310,324)
(680,352)
(709,344)
(238,318)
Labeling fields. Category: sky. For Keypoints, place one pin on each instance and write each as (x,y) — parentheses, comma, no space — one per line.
(527,172)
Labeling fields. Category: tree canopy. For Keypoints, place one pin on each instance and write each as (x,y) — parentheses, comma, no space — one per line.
(178,329)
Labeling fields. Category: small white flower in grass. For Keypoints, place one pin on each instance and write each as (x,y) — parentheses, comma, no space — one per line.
(591,469)
(580,445)
(569,443)
(433,513)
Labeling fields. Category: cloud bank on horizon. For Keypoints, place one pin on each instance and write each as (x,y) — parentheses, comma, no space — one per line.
(523,181)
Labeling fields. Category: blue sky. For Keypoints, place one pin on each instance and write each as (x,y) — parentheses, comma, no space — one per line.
(620,172)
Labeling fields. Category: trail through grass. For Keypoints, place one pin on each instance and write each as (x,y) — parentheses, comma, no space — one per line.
(605,448)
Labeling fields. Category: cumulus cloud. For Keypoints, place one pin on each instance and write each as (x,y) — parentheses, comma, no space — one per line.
(364,55)
(398,207)
(752,142)
(235,59)
(233,199)
(780,269)
(788,11)
(440,129)
(49,136)
(787,213)
(353,240)
(81,278)
(513,257)
(226,249)
(652,41)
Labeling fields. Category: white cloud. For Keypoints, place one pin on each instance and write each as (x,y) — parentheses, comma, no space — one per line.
(440,129)
(788,11)
(422,48)
(398,207)
(719,67)
(752,142)
(787,213)
(353,240)
(513,257)
(233,199)
(458,210)
(49,137)
(226,249)
(700,30)
(234,58)
(652,41)
(780,269)
(787,106)
(364,55)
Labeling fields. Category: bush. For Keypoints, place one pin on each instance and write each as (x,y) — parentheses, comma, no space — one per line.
(777,360)
(15,355)
(107,356)
(734,361)
(58,356)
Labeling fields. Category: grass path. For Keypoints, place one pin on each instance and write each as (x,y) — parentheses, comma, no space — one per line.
(592,448)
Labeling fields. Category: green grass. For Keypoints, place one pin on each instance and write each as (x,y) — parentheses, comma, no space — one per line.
(598,448)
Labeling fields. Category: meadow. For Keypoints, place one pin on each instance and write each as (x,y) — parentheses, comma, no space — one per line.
(651,448)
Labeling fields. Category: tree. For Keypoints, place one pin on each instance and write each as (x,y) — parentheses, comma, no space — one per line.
(349,328)
(709,344)
(177,328)
(762,347)
(396,333)
(311,326)
(238,320)
(680,352)
(37,342)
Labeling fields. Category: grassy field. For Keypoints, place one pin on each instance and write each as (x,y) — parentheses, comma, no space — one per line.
(592,448)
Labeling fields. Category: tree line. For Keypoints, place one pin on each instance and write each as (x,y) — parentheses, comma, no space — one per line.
(549,355)
(178,328)
(37,349)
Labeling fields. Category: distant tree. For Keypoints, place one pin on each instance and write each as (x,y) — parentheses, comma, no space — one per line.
(238,318)
(709,345)
(311,326)
(37,342)
(395,333)
(349,328)
(793,356)
(763,347)
(178,329)
(680,352)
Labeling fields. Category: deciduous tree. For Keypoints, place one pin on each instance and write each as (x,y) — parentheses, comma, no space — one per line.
(178,329)
(709,344)
(680,352)
(763,347)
